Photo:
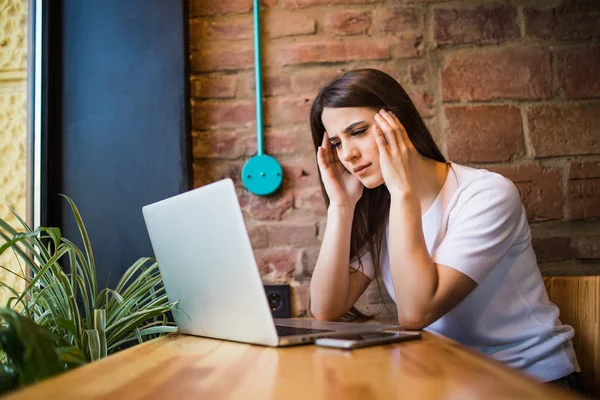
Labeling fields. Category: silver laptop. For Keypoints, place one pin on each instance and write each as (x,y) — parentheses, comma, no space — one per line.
(207,264)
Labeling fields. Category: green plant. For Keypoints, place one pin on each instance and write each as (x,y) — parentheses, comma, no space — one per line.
(30,352)
(67,302)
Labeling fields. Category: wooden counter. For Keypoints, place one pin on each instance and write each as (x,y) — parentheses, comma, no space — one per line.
(188,367)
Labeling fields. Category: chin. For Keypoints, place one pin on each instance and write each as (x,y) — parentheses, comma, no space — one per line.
(372,182)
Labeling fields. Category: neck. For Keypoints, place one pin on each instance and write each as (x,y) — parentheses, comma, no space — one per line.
(431,176)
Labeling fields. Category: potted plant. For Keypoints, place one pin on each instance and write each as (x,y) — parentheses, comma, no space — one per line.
(30,352)
(62,295)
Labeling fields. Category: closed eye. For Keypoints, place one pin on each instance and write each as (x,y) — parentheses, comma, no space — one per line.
(336,143)
(358,131)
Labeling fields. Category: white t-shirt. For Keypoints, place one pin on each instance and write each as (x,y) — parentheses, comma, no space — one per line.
(477,225)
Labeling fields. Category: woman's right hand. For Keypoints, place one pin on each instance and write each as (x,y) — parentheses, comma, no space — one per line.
(343,188)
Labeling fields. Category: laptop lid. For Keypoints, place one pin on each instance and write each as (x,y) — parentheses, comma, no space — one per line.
(206,261)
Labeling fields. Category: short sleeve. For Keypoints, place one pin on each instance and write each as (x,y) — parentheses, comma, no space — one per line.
(483,225)
(368,267)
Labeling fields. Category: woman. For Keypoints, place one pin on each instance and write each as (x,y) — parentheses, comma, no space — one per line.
(452,243)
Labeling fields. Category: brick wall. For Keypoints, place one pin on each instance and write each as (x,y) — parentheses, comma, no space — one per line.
(512,86)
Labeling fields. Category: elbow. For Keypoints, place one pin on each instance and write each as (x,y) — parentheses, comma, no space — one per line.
(413,321)
(412,325)
(323,314)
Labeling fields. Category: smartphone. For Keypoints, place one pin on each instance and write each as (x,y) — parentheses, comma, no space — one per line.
(355,341)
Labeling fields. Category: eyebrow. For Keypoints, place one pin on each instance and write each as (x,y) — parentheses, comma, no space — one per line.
(347,129)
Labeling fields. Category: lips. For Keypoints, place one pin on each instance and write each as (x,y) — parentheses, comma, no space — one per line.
(361,169)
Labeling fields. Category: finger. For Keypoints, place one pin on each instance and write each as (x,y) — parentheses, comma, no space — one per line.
(326,145)
(380,139)
(325,140)
(403,133)
(388,131)
(321,160)
(329,153)
(388,118)
(395,126)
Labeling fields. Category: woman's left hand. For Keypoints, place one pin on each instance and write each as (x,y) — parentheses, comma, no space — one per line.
(397,155)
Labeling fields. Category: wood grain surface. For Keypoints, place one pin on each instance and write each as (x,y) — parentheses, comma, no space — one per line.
(188,367)
(578,298)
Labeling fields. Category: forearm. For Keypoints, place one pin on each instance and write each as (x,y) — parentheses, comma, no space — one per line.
(329,285)
(414,275)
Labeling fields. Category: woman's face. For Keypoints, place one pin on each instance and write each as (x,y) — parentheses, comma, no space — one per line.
(350,132)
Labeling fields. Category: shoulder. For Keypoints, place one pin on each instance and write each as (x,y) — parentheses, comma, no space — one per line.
(483,190)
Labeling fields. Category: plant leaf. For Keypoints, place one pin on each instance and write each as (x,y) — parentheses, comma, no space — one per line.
(93,341)
(86,243)
(30,347)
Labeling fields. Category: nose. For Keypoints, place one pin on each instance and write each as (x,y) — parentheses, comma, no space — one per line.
(349,152)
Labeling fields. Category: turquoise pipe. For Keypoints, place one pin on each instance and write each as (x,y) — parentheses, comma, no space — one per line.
(258,79)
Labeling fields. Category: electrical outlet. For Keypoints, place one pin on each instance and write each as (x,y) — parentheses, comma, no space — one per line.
(279,299)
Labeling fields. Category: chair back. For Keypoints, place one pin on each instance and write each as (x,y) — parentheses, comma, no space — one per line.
(578,299)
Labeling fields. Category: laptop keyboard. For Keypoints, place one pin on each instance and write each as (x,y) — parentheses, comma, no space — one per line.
(292,330)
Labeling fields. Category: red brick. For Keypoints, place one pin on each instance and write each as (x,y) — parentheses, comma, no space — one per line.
(258,237)
(220,86)
(419,73)
(284,110)
(310,3)
(211,7)
(276,264)
(220,57)
(311,80)
(292,234)
(351,22)
(309,259)
(552,249)
(423,101)
(224,114)
(483,134)
(416,2)
(484,24)
(208,171)
(584,169)
(395,20)
(285,23)
(514,72)
(407,44)
(300,173)
(273,83)
(275,24)
(311,198)
(564,129)
(281,140)
(289,140)
(578,71)
(582,197)
(269,207)
(539,187)
(322,226)
(583,190)
(230,28)
(328,51)
(587,247)
(570,20)
(221,143)
(300,298)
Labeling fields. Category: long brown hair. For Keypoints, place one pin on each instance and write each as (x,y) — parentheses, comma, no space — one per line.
(373,89)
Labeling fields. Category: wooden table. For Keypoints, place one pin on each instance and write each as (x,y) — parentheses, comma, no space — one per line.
(188,367)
